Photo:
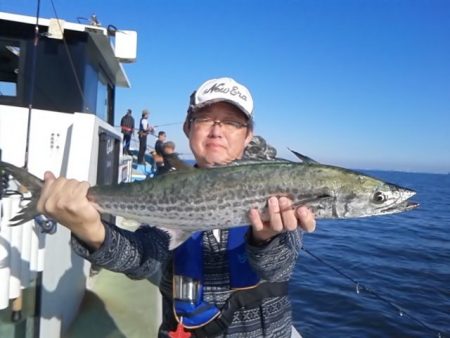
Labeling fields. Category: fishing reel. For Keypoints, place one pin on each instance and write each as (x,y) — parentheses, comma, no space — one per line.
(46,225)
(4,178)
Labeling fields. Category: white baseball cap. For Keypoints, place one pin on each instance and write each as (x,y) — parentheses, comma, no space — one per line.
(223,89)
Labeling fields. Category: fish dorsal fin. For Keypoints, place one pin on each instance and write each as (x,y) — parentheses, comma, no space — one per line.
(302,157)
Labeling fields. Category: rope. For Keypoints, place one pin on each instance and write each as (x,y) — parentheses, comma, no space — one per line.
(360,287)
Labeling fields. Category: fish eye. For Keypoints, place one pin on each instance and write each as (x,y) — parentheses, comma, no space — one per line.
(379,197)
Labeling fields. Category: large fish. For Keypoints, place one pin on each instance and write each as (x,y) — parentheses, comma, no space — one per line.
(184,201)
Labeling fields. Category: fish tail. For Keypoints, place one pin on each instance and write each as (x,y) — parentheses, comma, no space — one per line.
(32,184)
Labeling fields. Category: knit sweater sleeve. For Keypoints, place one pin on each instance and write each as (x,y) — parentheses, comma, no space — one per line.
(139,254)
(275,261)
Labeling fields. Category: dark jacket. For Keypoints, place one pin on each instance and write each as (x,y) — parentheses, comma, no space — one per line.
(159,147)
(127,124)
(170,163)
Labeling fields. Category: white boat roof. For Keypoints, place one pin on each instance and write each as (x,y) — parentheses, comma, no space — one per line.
(45,22)
(97,33)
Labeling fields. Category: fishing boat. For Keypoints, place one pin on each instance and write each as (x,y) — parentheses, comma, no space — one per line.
(57,100)
(58,83)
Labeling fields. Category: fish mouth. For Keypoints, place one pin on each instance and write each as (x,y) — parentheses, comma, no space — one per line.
(411,204)
(404,206)
(407,204)
(404,203)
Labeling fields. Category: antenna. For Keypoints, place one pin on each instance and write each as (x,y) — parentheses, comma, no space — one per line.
(94,21)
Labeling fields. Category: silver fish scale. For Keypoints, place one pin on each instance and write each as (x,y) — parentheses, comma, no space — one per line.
(221,197)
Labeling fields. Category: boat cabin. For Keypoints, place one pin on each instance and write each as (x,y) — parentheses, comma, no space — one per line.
(58,83)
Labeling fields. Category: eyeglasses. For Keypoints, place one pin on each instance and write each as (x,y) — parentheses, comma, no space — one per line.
(206,122)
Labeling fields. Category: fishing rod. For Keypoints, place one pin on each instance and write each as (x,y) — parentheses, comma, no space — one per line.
(152,133)
(160,125)
(167,124)
(17,303)
(360,287)
(32,82)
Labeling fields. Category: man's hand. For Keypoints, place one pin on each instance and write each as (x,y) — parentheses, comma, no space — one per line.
(65,201)
(282,217)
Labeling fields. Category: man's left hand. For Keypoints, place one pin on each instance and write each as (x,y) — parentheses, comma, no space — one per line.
(282,217)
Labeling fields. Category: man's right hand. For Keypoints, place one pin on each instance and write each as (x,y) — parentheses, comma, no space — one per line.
(66,201)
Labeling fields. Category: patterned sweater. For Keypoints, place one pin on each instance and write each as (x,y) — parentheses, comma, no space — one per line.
(144,254)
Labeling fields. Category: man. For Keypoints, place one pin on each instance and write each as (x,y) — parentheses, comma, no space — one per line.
(219,125)
(127,128)
(144,129)
(160,142)
(170,159)
(158,157)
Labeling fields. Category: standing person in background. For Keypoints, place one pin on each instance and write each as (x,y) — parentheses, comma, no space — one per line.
(127,128)
(144,129)
(159,152)
(200,280)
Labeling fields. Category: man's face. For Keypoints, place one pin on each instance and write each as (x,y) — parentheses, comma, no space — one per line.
(218,144)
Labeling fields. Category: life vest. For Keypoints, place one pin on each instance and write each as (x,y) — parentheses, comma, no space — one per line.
(189,307)
(143,132)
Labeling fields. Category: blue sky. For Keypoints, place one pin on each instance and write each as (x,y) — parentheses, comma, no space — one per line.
(355,83)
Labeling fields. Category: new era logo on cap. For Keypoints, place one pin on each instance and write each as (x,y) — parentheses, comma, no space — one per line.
(223,89)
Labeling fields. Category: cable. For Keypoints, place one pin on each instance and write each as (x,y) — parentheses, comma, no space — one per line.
(359,287)
(69,56)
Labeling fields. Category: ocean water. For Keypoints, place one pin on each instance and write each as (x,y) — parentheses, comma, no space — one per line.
(402,259)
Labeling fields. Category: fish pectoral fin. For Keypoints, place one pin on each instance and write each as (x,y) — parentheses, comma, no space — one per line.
(177,237)
(304,200)
(298,203)
(307,200)
(310,199)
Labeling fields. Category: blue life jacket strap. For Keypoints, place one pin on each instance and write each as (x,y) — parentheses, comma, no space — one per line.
(241,273)
(188,258)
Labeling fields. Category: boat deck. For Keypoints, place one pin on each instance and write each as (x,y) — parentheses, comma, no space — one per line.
(115,306)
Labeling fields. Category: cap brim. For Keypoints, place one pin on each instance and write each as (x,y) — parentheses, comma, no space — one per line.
(206,103)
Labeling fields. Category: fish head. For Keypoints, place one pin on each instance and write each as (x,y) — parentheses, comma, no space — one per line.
(370,197)
(390,198)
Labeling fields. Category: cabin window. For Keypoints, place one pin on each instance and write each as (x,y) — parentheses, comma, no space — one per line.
(9,67)
(102,96)
(96,92)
